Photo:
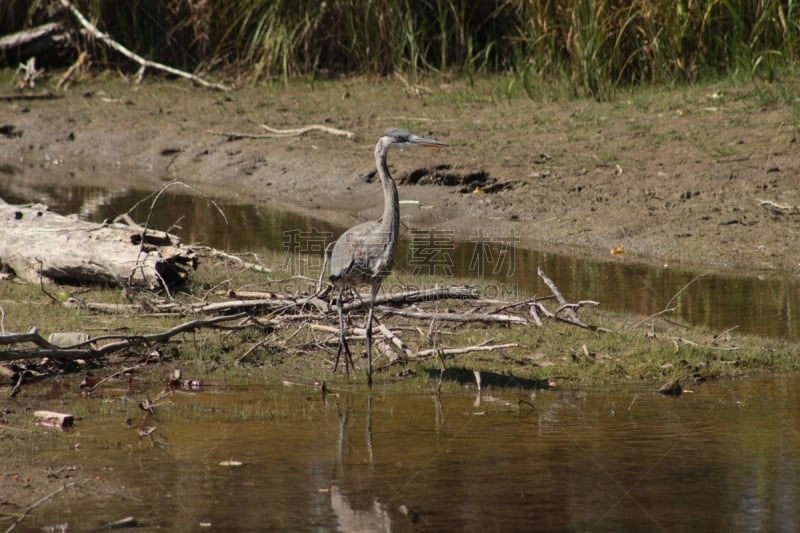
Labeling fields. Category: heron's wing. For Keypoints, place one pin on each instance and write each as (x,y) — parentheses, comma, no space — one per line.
(357,252)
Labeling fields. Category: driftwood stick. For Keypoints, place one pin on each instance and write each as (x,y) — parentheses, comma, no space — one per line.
(302,131)
(423,295)
(15,40)
(279,134)
(560,297)
(219,254)
(576,306)
(358,333)
(395,341)
(164,336)
(456,317)
(533,309)
(144,63)
(456,351)
(528,302)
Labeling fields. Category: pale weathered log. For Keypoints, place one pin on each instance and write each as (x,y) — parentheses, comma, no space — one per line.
(25,37)
(457,351)
(36,243)
(456,317)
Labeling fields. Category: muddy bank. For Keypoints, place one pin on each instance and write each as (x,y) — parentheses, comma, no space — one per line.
(703,177)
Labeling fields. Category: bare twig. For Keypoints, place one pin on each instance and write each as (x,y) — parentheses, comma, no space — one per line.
(669,303)
(654,315)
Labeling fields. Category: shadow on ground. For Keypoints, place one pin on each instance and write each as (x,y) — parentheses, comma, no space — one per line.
(464,376)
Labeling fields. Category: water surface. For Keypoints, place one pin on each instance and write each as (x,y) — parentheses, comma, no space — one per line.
(723,458)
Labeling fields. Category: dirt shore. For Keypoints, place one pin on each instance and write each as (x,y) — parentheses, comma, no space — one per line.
(704,177)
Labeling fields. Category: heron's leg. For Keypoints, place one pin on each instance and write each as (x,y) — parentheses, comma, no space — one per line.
(343,347)
(369,334)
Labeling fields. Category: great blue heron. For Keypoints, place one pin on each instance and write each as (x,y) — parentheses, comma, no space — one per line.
(363,255)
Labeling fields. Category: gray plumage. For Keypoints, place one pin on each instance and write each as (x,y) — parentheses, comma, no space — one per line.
(364,254)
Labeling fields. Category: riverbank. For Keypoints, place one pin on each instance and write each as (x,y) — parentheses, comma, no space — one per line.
(702,177)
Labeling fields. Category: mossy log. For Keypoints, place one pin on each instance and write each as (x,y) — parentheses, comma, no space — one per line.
(38,244)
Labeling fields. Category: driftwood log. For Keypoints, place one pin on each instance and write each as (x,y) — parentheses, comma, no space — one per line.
(39,244)
(48,39)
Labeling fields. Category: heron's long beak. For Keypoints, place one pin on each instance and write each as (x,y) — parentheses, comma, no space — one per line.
(423,141)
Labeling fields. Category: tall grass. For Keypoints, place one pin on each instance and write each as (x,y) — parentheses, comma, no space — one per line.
(594,45)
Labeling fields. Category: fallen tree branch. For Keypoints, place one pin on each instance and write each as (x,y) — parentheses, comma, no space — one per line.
(144,63)
(456,317)
(456,351)
(87,350)
(455,292)
(573,316)
(395,341)
(576,306)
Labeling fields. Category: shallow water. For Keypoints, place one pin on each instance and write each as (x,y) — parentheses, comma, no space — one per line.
(723,458)
(752,305)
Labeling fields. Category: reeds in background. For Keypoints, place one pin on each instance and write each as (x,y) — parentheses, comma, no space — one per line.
(593,45)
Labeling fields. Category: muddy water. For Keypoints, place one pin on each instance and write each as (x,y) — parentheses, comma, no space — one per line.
(760,306)
(272,457)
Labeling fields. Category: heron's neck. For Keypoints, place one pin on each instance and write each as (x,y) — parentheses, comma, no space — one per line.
(390,223)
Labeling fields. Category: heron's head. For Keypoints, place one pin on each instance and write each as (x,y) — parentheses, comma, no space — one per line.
(401,137)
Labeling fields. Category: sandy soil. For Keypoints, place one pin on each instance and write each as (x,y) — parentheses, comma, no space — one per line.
(704,177)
